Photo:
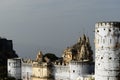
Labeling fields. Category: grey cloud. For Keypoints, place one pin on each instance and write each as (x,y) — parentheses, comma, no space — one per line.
(54,24)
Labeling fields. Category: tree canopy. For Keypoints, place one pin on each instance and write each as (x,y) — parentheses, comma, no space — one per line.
(52,57)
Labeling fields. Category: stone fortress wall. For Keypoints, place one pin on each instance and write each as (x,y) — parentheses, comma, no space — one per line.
(107,50)
(77,60)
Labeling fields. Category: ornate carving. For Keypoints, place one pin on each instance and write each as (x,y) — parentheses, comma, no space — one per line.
(39,56)
(67,55)
(80,51)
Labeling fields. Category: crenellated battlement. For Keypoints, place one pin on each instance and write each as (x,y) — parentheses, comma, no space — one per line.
(109,24)
(107,50)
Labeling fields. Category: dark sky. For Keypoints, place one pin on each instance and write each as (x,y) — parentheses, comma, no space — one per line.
(52,25)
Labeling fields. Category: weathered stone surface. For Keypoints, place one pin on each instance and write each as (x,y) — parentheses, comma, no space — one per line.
(67,55)
(107,51)
(39,56)
(80,51)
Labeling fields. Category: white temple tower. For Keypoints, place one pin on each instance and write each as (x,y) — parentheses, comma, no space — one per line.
(107,51)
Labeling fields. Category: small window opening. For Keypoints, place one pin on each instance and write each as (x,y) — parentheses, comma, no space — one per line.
(109,30)
(102,46)
(97,30)
(101,57)
(110,58)
(73,71)
(110,40)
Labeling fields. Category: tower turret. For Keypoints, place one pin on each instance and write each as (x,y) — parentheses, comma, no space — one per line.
(107,51)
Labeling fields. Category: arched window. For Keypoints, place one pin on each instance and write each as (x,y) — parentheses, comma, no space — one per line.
(110,41)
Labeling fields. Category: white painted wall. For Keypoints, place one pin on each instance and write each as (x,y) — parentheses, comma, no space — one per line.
(62,72)
(107,49)
(26,71)
(78,69)
(14,68)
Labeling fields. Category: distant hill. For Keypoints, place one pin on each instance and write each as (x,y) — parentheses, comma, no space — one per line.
(6,52)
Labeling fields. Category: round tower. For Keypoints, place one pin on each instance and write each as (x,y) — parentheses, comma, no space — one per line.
(107,51)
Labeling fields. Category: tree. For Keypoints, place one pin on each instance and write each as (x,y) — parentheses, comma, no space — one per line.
(52,57)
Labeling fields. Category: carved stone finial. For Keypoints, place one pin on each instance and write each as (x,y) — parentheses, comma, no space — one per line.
(79,40)
(67,55)
(39,56)
(87,40)
(80,51)
(83,37)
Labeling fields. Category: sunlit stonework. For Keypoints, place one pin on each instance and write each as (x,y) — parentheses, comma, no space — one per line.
(75,62)
(39,56)
(79,52)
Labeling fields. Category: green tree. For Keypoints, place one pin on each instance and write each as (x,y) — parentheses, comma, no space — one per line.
(52,57)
